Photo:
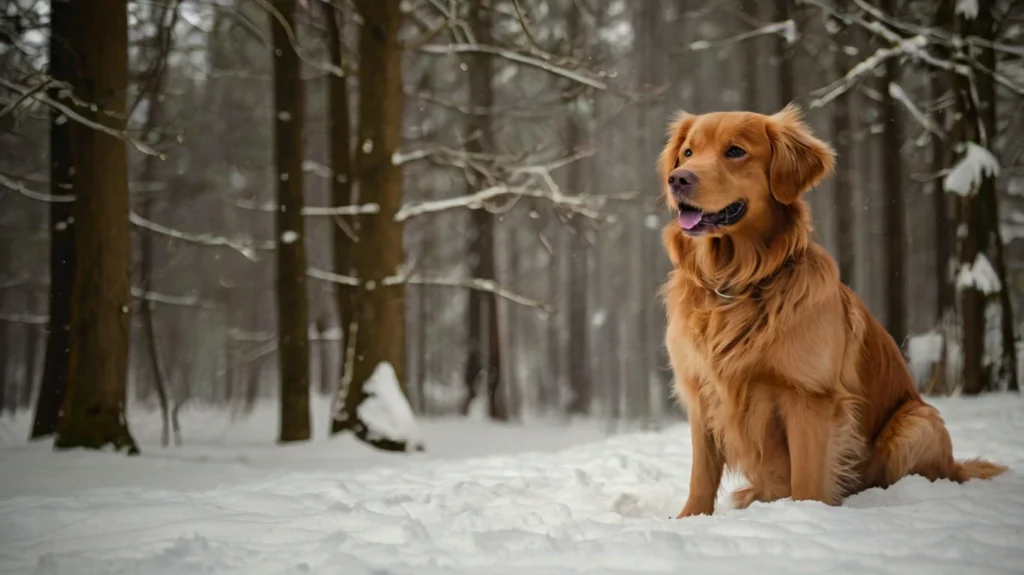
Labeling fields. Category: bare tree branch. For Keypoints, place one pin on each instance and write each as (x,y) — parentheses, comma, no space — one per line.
(786,29)
(245,247)
(43,98)
(445,50)
(898,94)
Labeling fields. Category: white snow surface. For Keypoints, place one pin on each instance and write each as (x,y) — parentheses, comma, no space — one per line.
(386,411)
(976,163)
(539,498)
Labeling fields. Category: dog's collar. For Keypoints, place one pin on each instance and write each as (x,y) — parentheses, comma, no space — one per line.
(755,289)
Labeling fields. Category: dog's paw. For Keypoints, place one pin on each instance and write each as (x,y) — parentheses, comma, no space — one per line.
(690,510)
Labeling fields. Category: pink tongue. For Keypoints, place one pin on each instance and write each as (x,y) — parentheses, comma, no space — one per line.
(689,219)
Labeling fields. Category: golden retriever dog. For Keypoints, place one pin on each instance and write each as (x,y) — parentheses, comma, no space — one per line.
(785,375)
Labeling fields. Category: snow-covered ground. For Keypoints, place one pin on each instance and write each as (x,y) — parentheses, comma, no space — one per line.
(487,499)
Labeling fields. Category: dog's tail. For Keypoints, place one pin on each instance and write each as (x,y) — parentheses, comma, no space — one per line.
(976,469)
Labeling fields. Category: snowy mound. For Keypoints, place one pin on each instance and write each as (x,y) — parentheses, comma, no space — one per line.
(386,411)
(599,507)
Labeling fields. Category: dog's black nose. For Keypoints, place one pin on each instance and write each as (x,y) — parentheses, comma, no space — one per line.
(682,182)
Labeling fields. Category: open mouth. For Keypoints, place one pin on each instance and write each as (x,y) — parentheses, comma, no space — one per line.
(695,221)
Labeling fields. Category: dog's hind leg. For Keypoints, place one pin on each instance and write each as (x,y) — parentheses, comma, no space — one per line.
(915,442)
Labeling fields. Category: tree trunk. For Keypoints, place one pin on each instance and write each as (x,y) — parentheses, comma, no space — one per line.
(939,83)
(31,335)
(483,360)
(579,249)
(784,56)
(892,183)
(94,408)
(752,99)
(326,381)
(339,128)
(379,337)
(292,334)
(1006,363)
(64,22)
(970,217)
(551,385)
(842,133)
(7,405)
(153,88)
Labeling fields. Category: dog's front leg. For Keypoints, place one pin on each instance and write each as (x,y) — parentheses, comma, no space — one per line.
(706,470)
(809,432)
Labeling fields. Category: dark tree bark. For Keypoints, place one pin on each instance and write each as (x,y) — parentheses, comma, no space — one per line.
(94,408)
(786,86)
(7,396)
(845,219)
(1005,368)
(939,83)
(292,312)
(339,130)
(550,386)
(579,254)
(379,337)
(153,88)
(752,99)
(971,217)
(892,183)
(483,360)
(64,19)
(31,335)
(326,381)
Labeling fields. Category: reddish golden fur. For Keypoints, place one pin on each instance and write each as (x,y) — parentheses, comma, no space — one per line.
(787,377)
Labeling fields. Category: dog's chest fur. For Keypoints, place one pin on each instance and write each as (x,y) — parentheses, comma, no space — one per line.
(721,354)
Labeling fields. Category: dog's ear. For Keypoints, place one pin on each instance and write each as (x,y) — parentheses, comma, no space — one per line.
(799,160)
(678,128)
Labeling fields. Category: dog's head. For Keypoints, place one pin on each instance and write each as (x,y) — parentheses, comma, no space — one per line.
(740,174)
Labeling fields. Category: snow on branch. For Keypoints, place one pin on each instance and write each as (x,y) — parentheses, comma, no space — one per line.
(897,93)
(301,53)
(866,66)
(175,300)
(532,181)
(922,38)
(13,282)
(331,277)
(21,189)
(967,8)
(24,318)
(786,29)
(355,210)
(966,175)
(245,247)
(538,184)
(43,98)
(980,275)
(449,49)
(479,284)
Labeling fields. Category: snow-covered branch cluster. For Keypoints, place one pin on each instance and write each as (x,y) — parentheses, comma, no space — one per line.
(915,46)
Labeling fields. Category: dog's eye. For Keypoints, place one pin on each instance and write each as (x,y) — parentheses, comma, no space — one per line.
(735,152)
(687,152)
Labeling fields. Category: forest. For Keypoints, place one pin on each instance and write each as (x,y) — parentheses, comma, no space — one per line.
(435,208)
